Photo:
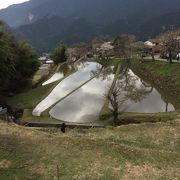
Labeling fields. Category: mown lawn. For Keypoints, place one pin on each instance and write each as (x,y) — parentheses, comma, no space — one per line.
(146,151)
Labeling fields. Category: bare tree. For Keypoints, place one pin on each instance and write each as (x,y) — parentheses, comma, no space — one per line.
(98,41)
(80,50)
(116,104)
(171,43)
(126,89)
(124,46)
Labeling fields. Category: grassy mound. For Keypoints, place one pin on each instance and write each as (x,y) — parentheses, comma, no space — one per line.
(146,151)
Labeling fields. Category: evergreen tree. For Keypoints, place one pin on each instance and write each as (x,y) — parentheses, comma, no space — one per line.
(18,63)
(59,54)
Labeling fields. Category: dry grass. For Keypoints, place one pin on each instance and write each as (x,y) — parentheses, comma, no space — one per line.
(146,151)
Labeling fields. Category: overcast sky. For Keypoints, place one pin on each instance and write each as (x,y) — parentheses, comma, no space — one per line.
(6,3)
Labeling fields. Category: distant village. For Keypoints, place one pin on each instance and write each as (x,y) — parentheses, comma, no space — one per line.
(151,46)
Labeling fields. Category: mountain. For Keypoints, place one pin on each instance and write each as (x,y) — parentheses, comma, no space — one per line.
(102,11)
(145,29)
(159,24)
(46,33)
(42,21)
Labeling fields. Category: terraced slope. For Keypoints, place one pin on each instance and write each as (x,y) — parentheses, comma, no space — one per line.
(66,86)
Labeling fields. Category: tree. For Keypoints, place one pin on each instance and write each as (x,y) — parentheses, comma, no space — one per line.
(81,50)
(126,89)
(171,44)
(124,45)
(98,41)
(59,54)
(2,22)
(6,62)
(105,51)
(26,64)
(116,104)
(18,63)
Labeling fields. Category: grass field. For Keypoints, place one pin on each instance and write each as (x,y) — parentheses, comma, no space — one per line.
(146,151)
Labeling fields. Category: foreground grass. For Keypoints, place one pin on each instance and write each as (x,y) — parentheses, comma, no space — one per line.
(146,151)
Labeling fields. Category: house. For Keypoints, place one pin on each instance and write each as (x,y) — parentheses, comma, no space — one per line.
(50,62)
(148,44)
(46,63)
(155,42)
(153,46)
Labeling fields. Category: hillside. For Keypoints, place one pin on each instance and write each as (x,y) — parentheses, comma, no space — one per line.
(79,21)
(160,24)
(53,29)
(98,11)
(146,151)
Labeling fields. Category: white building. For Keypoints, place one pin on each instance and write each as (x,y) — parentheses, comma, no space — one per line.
(42,58)
(148,43)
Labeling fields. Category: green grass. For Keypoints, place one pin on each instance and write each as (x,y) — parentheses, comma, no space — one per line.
(146,151)
(44,118)
(108,62)
(128,118)
(139,118)
(161,69)
(30,99)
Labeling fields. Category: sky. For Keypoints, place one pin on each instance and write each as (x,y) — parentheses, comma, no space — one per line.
(6,3)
